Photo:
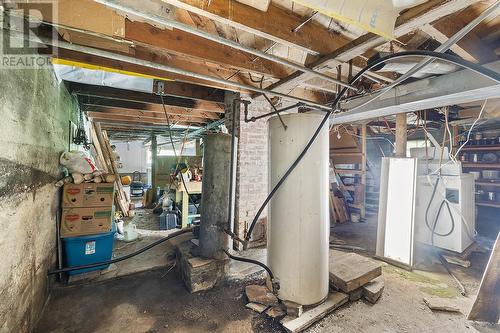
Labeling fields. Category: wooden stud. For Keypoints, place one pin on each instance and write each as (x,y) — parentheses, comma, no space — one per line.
(401,134)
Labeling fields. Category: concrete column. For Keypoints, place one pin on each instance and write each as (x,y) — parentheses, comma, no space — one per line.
(401,135)
(215,195)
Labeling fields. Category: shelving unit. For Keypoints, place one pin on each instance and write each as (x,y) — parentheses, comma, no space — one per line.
(479,166)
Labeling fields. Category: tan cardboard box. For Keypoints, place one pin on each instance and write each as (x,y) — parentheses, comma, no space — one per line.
(88,195)
(85,221)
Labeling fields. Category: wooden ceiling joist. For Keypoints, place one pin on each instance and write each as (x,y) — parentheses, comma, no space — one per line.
(144,119)
(408,21)
(185,44)
(470,48)
(140,124)
(155,112)
(276,24)
(100,93)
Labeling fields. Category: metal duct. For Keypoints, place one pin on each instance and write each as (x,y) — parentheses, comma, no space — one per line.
(402,66)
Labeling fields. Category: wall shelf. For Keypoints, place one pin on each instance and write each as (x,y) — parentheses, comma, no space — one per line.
(482,165)
(480,147)
(488,204)
(487,183)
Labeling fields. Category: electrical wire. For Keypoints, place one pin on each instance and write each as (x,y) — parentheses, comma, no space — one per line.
(470,129)
(175,153)
(430,54)
(130,255)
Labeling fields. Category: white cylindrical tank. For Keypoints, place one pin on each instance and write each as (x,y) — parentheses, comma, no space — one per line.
(299,226)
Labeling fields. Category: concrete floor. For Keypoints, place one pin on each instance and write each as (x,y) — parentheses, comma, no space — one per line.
(156,301)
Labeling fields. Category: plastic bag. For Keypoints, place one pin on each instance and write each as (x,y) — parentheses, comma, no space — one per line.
(77,161)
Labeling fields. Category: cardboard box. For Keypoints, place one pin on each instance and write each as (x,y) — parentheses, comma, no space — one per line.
(85,221)
(88,195)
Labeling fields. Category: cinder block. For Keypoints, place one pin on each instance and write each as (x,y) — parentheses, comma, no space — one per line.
(198,273)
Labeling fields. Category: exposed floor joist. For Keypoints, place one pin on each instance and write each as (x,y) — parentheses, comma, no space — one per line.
(409,21)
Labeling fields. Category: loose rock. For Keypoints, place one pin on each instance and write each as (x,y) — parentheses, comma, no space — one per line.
(261,295)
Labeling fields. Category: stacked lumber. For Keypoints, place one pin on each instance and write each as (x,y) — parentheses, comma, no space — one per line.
(356,275)
(338,209)
(106,161)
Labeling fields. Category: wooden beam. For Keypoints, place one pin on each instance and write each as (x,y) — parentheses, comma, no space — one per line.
(185,44)
(145,119)
(143,53)
(470,47)
(115,94)
(91,103)
(276,24)
(486,307)
(410,20)
(170,40)
(401,134)
(139,124)
(191,91)
(171,110)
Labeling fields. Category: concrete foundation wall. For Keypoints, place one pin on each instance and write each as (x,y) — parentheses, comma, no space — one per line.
(252,172)
(35,112)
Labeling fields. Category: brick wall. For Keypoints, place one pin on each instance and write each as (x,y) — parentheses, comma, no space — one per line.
(252,173)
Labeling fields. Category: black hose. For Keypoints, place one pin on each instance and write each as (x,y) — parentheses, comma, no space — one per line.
(438,55)
(112,261)
(274,284)
(251,261)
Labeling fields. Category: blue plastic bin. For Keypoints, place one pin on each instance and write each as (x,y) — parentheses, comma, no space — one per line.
(90,249)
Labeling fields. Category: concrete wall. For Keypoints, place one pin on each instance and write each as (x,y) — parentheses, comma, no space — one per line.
(252,172)
(35,112)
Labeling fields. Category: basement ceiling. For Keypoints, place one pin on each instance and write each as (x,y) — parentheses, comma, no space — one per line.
(287,30)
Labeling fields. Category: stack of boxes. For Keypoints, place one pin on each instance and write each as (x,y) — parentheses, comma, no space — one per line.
(87,209)
(87,225)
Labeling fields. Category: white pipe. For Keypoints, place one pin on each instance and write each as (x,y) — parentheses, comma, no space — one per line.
(150,64)
(187,28)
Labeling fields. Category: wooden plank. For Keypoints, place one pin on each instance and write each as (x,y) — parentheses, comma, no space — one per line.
(349,271)
(140,124)
(171,110)
(276,24)
(408,21)
(182,43)
(348,171)
(149,55)
(91,93)
(143,119)
(470,48)
(309,317)
(107,158)
(486,307)
(401,135)
(174,41)
(438,35)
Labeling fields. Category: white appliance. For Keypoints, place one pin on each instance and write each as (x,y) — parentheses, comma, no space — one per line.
(454,234)
(298,229)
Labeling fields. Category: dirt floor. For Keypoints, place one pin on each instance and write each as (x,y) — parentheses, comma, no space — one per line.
(156,301)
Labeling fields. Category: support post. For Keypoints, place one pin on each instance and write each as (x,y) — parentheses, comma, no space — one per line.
(401,135)
(363,169)
(154,162)
(215,196)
